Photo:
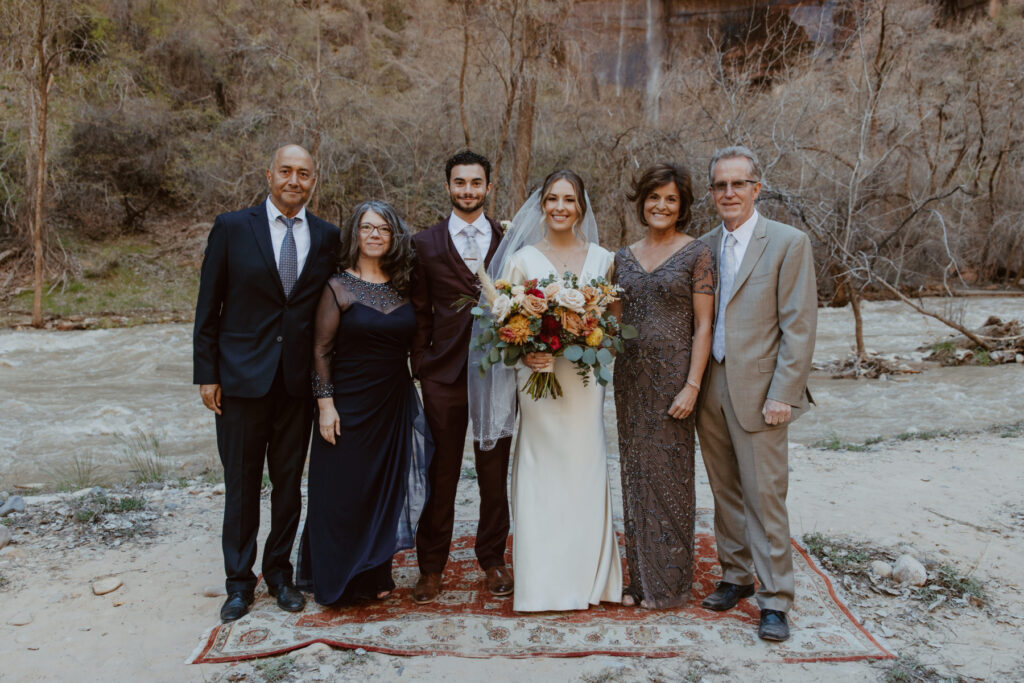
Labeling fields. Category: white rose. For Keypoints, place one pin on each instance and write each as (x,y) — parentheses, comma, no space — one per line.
(518,290)
(552,289)
(572,299)
(500,308)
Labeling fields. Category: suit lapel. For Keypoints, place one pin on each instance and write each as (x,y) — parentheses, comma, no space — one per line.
(316,237)
(758,242)
(496,237)
(261,233)
(715,242)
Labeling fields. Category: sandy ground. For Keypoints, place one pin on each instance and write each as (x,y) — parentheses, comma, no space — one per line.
(955,500)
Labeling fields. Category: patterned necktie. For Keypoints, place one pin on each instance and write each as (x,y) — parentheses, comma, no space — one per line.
(471,249)
(728,275)
(288,264)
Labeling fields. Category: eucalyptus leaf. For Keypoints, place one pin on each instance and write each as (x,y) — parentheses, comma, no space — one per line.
(494,356)
(589,356)
(476,311)
(604,375)
(604,356)
(629,332)
(487,336)
(512,354)
(573,353)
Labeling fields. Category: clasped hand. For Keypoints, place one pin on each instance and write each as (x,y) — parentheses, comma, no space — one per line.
(330,423)
(537,361)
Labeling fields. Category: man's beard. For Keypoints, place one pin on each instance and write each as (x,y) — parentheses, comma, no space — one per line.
(471,209)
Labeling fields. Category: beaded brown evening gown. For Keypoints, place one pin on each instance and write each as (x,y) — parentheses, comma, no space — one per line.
(655,449)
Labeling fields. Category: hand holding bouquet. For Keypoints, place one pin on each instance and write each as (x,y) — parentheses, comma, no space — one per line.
(555,315)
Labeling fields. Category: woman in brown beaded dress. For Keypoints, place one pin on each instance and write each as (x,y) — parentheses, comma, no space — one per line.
(668,284)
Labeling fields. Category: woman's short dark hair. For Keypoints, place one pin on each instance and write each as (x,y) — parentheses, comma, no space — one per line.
(397,262)
(577,184)
(656,176)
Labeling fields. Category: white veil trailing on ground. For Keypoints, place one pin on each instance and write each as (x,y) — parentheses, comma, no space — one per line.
(492,396)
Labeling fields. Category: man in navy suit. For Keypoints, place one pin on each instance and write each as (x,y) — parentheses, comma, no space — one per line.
(264,270)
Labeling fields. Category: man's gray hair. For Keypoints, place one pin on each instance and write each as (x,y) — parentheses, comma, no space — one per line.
(732,152)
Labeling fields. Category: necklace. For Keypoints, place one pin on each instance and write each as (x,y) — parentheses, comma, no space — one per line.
(555,254)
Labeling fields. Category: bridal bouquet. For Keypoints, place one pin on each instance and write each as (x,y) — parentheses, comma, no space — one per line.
(557,315)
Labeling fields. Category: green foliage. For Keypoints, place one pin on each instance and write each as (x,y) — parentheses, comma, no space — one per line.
(277,669)
(909,669)
(80,472)
(833,442)
(837,554)
(950,578)
(140,451)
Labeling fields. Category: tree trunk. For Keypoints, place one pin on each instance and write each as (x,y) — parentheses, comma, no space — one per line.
(317,122)
(858,321)
(524,140)
(43,87)
(462,71)
(655,49)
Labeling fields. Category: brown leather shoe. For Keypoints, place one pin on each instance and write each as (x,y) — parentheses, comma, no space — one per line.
(499,581)
(427,589)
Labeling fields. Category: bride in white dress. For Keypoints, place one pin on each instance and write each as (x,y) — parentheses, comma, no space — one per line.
(564,551)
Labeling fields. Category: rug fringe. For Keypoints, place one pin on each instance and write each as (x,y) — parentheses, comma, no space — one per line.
(203,642)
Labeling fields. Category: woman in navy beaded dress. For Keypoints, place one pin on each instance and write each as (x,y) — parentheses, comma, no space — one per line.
(369,456)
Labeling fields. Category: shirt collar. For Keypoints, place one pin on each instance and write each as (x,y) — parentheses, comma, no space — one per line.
(744,232)
(456,224)
(273,212)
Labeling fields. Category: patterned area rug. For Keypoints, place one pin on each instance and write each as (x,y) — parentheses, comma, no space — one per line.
(469,622)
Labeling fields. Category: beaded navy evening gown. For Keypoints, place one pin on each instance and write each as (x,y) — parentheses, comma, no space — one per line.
(366,492)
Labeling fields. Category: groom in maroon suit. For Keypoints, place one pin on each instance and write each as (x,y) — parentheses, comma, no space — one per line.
(447,256)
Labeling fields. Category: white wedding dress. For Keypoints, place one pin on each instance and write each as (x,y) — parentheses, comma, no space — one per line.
(564,550)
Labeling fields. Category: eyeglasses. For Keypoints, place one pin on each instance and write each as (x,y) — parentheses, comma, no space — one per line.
(722,186)
(366,229)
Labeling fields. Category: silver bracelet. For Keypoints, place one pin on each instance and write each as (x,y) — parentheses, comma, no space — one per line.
(693,384)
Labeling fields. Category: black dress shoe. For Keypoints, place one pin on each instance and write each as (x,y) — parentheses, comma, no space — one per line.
(726,596)
(773,625)
(288,597)
(235,607)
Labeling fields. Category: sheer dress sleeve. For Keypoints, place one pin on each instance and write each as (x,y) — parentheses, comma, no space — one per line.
(334,301)
(704,272)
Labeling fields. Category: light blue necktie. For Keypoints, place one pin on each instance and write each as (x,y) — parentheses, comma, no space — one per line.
(288,264)
(728,276)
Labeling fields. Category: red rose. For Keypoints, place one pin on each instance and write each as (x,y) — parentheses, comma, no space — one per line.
(555,343)
(550,325)
(535,292)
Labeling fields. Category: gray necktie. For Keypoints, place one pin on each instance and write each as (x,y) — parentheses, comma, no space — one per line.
(471,250)
(728,275)
(288,264)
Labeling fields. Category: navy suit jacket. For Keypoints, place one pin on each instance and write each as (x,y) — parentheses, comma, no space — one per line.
(245,327)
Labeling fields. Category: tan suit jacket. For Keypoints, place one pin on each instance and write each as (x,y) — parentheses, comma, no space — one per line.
(770,320)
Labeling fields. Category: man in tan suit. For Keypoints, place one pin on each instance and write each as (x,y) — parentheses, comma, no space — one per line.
(754,386)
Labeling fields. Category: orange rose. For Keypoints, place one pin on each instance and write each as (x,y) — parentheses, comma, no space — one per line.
(572,322)
(534,305)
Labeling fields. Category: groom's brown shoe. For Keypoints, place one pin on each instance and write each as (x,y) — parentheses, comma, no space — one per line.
(427,589)
(499,581)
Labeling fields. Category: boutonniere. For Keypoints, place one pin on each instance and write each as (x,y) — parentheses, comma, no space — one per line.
(505,225)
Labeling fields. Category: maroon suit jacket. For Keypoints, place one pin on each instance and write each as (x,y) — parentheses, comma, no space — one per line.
(440,278)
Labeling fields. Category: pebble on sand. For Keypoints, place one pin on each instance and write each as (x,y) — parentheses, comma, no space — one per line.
(909,571)
(107,585)
(5,537)
(22,619)
(13,504)
(214,591)
(881,569)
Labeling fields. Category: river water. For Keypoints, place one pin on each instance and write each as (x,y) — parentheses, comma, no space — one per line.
(74,397)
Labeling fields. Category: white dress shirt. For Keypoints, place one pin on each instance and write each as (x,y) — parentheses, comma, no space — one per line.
(743,235)
(483,234)
(300,231)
